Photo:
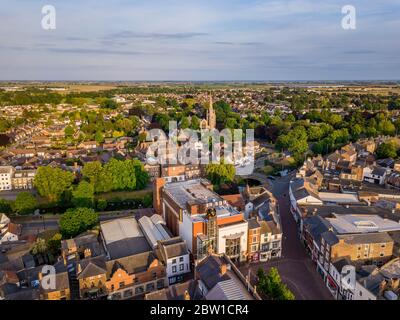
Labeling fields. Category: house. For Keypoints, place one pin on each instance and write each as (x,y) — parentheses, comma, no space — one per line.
(235,200)
(10,232)
(61,291)
(83,246)
(4,220)
(91,274)
(270,240)
(135,275)
(219,279)
(376,175)
(6,174)
(254,239)
(180,291)
(175,256)
(302,192)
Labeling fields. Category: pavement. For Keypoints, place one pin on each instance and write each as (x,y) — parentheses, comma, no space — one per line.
(295,267)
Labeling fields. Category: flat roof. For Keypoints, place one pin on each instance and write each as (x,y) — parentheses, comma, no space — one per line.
(351,224)
(191,191)
(329,210)
(119,229)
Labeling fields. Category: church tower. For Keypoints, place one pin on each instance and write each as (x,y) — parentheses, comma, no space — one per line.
(211,117)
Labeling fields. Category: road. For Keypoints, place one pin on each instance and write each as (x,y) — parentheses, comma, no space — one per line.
(295,266)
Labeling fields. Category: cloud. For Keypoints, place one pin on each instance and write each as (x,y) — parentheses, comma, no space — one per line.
(153,35)
(93,51)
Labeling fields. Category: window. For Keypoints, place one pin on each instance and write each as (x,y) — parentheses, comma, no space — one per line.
(121,284)
(180,259)
(160,284)
(381,254)
(383,245)
(139,290)
(173,261)
(128,293)
(154,274)
(173,269)
(150,286)
(181,267)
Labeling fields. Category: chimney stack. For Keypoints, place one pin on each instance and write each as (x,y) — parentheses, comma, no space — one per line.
(222,269)
(187,295)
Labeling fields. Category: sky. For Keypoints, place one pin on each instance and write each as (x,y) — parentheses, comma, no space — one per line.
(202,40)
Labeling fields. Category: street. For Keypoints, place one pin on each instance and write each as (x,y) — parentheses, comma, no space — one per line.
(295,266)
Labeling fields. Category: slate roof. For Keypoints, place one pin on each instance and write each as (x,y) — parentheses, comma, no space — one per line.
(92,267)
(209,271)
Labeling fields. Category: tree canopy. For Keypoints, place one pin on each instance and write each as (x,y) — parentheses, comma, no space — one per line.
(52,182)
(76,221)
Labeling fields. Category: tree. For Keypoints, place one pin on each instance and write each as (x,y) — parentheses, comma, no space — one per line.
(76,221)
(109,104)
(54,244)
(185,123)
(195,123)
(386,150)
(142,177)
(83,195)
(122,173)
(39,247)
(220,173)
(271,285)
(69,131)
(99,137)
(101,204)
(95,173)
(52,182)
(25,203)
(5,206)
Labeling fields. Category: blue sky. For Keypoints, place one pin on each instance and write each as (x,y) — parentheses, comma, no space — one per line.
(199,40)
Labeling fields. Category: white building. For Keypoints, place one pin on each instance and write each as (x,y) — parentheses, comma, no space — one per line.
(6,174)
(175,255)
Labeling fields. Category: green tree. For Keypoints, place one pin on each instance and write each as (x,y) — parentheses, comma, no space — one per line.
(185,123)
(220,173)
(195,123)
(95,173)
(109,104)
(386,150)
(5,206)
(142,177)
(54,244)
(52,182)
(25,203)
(271,285)
(69,131)
(83,195)
(76,221)
(101,204)
(39,247)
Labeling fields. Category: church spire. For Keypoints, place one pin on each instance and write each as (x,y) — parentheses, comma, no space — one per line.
(211,117)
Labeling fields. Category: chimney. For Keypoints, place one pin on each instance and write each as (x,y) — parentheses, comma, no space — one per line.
(87,253)
(222,269)
(186,295)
